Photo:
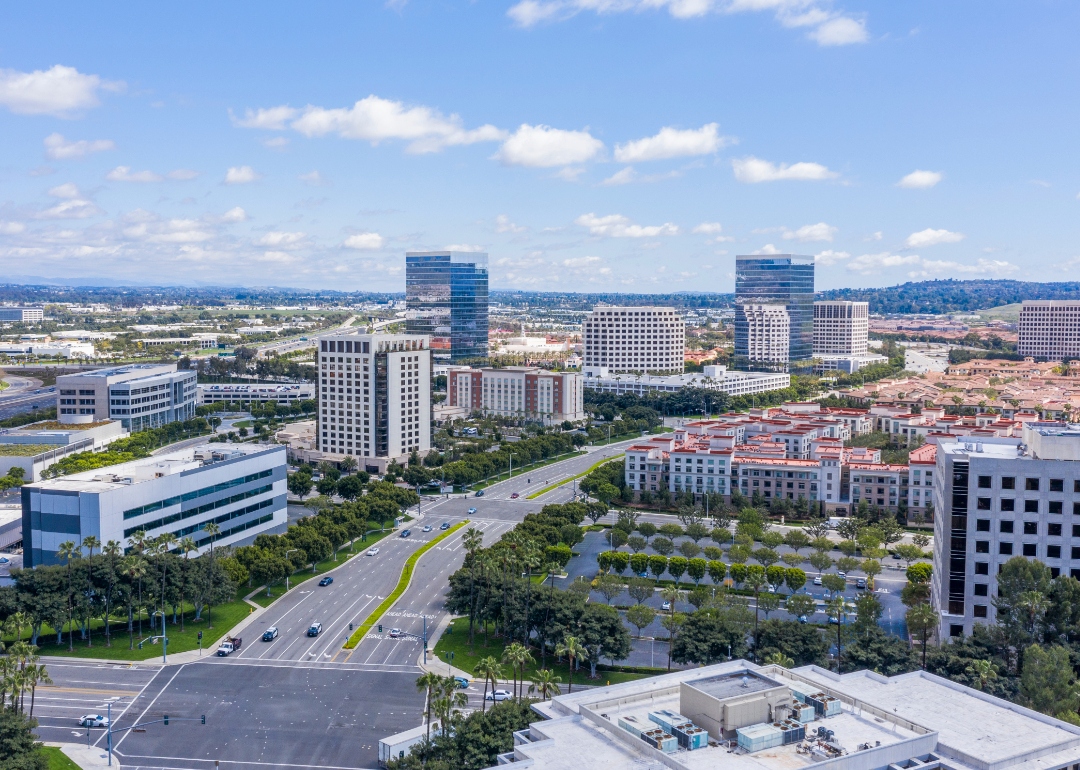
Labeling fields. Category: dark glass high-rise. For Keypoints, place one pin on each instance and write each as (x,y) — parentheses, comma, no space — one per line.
(446,297)
(777,279)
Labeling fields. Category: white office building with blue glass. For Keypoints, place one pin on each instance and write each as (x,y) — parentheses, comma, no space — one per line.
(241,488)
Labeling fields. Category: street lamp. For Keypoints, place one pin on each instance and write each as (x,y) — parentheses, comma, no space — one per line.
(291,550)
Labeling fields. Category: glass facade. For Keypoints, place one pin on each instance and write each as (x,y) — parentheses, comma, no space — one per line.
(777,279)
(446,295)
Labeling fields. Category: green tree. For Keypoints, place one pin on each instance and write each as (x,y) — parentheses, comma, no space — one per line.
(696,568)
(1048,683)
(795,578)
(663,546)
(677,567)
(717,571)
(796,540)
(640,589)
(658,565)
(922,622)
(18,750)
(640,616)
(799,605)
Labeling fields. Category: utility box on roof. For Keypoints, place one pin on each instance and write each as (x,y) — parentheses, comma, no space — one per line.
(758,737)
(723,703)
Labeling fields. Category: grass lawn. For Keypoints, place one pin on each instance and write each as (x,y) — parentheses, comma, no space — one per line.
(456,640)
(58,760)
(225,616)
(242,424)
(276,591)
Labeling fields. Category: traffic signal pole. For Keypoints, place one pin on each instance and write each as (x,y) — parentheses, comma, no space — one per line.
(165,719)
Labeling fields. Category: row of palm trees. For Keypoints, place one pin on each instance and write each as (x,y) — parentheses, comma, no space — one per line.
(21,670)
(136,566)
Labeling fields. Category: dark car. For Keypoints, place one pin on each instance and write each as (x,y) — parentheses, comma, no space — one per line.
(406,532)
(479,493)
(315,629)
(326,581)
(445,525)
(515,496)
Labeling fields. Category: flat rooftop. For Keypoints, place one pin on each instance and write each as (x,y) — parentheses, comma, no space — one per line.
(125,369)
(732,685)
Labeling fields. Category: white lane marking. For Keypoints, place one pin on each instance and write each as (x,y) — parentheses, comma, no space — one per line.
(341,617)
(132,703)
(139,718)
(290,644)
(308,594)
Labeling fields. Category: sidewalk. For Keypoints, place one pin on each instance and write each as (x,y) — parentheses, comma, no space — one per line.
(88,757)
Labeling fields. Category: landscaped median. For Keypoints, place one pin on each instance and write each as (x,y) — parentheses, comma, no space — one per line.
(403,583)
(592,468)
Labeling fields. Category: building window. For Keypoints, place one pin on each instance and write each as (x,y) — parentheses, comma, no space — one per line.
(1009,482)
(982,568)
(1005,549)
(1055,506)
(984,504)
(980,610)
(1031,485)
(1031,549)
(1053,552)
(1031,506)
(1008,504)
(1006,526)
(956,629)
(1031,527)
(982,525)
(1054,530)
(982,546)
(981,589)
(1057,485)
(984,482)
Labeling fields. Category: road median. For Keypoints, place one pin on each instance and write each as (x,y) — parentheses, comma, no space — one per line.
(591,468)
(402,586)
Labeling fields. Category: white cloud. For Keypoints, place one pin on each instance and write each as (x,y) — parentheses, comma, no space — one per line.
(580,261)
(504,225)
(60,91)
(233,215)
(313,178)
(830,28)
(870,264)
(273,118)
(69,209)
(672,143)
(874,236)
(544,146)
(618,226)
(182,174)
(463,247)
(830,257)
(995,267)
(708,228)
(374,120)
(623,176)
(11,228)
(930,237)
(918,180)
(58,148)
(277,143)
(281,240)
(276,256)
(123,174)
(768,248)
(839,31)
(68,191)
(752,170)
(364,241)
(241,175)
(812,233)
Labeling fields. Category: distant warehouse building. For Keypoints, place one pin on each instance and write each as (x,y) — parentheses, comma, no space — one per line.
(138,395)
(282,395)
(239,487)
(22,314)
(718,378)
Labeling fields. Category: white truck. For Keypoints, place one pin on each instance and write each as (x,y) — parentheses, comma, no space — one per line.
(229,645)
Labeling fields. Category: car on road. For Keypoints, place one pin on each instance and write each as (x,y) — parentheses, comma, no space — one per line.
(860,582)
(93,720)
(229,645)
(515,496)
(446,524)
(817,580)
(326,581)
(461,683)
(479,493)
(315,629)
(666,607)
(427,528)
(842,574)
(499,695)
(771,588)
(471,512)
(406,532)
(270,634)
(395,633)
(372,551)
(802,618)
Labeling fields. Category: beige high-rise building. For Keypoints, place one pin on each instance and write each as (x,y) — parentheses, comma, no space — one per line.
(634,339)
(768,332)
(840,328)
(1049,329)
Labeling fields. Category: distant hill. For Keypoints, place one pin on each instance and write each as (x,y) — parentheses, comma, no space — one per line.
(949,296)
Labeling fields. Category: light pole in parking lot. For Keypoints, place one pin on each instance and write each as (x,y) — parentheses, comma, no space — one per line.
(291,550)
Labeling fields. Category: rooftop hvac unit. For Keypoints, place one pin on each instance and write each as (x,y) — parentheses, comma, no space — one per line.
(824,705)
(667,718)
(660,739)
(691,737)
(632,725)
(759,737)
(793,731)
(802,712)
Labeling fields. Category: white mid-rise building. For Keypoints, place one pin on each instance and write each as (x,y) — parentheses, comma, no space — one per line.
(840,328)
(241,488)
(138,395)
(374,396)
(634,339)
(718,378)
(522,392)
(1049,329)
(768,333)
(235,395)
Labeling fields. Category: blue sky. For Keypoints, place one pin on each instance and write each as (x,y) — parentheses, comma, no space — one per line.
(615,145)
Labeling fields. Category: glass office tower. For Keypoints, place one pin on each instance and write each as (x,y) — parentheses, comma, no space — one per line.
(446,297)
(776,279)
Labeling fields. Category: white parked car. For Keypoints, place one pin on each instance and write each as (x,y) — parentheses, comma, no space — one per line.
(499,695)
(817,580)
(372,551)
(666,607)
(93,720)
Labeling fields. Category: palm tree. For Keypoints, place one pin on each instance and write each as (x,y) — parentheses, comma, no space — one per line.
(165,542)
(491,671)
(90,542)
(921,620)
(552,568)
(779,659)
(545,683)
(427,683)
(211,529)
(135,567)
(984,672)
(37,674)
(572,648)
(138,542)
(472,540)
(187,545)
(756,580)
(514,656)
(673,596)
(112,552)
(67,551)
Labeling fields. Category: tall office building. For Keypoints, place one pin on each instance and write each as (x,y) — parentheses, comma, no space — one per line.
(1049,329)
(840,327)
(777,279)
(768,334)
(634,339)
(446,296)
(374,397)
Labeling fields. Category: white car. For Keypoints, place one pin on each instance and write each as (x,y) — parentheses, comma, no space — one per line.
(666,607)
(372,551)
(817,580)
(93,720)
(499,695)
